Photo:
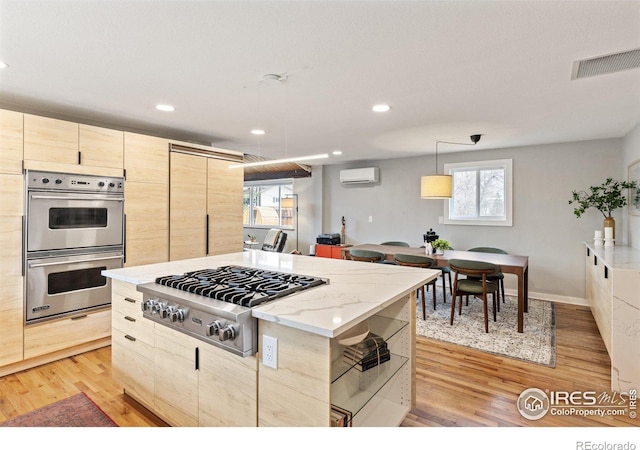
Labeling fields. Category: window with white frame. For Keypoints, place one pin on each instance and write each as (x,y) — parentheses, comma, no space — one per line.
(482,193)
(262,204)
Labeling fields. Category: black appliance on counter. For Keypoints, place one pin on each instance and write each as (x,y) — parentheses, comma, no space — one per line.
(429,236)
(328,239)
(214,305)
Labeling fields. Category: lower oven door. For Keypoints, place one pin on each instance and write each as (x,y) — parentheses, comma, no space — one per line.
(64,285)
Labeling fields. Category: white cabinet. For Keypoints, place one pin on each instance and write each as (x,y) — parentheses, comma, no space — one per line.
(612,287)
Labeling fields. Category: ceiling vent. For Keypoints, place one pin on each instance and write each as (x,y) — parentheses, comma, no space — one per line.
(600,65)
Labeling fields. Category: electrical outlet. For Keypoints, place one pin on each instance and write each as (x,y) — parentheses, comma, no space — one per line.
(370,219)
(440,219)
(269,351)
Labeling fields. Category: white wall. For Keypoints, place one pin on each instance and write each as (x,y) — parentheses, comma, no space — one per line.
(631,152)
(544,226)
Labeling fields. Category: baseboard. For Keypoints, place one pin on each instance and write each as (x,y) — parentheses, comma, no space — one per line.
(551,297)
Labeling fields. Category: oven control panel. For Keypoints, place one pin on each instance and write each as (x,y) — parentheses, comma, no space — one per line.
(74,182)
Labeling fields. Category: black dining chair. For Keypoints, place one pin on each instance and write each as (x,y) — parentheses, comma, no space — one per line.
(499,276)
(426,263)
(478,287)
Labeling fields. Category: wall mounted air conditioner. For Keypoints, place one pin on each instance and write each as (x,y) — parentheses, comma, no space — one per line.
(359,176)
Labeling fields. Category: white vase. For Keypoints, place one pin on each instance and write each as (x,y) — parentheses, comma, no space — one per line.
(439,251)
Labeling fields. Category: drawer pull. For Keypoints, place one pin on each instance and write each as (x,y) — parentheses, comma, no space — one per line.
(131,338)
(79,317)
(606,272)
(130,300)
(130,319)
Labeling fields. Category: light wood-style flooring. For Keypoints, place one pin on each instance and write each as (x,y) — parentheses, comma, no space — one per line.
(456,386)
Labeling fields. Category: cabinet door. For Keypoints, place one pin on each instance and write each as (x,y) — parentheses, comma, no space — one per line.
(228,389)
(323,251)
(101,147)
(176,377)
(336,252)
(224,206)
(11,142)
(187,207)
(11,288)
(50,140)
(146,207)
(48,337)
(146,158)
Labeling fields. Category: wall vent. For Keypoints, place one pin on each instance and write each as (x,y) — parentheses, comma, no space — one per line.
(600,65)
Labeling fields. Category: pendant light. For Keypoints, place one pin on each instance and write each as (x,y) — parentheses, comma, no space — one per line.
(440,186)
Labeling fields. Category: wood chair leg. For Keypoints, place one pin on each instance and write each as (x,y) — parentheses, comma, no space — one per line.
(453,306)
(444,290)
(450,285)
(502,288)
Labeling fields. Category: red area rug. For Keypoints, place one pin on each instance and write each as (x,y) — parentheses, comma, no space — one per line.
(75,411)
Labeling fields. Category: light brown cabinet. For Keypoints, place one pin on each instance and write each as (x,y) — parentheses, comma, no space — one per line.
(146,160)
(58,141)
(11,212)
(51,336)
(224,206)
(206,207)
(188,207)
(132,341)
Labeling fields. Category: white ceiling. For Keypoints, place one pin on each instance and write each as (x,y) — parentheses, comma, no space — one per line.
(448,69)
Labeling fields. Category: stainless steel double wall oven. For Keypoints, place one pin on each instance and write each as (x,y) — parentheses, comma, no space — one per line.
(74,230)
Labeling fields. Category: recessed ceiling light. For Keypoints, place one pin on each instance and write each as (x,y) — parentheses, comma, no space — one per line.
(381,108)
(257,131)
(3,65)
(167,108)
(337,152)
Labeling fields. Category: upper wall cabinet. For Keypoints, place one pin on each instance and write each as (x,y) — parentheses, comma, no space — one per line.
(11,142)
(146,158)
(59,141)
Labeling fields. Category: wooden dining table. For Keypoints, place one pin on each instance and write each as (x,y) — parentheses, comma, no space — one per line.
(514,264)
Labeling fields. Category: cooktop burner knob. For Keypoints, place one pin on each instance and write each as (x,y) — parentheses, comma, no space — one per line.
(228,332)
(148,305)
(163,310)
(45,180)
(213,329)
(177,315)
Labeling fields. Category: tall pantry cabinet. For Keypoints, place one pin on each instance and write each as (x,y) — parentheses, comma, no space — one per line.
(11,212)
(146,202)
(205,215)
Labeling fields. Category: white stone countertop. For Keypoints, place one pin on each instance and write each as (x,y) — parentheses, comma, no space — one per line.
(355,292)
(618,257)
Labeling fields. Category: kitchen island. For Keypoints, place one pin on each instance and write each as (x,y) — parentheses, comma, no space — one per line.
(307,377)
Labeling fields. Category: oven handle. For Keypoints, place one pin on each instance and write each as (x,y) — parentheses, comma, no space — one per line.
(55,197)
(75,261)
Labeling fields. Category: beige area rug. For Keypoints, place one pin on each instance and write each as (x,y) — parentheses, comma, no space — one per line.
(536,345)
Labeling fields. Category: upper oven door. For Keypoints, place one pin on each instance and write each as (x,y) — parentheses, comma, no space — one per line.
(62,220)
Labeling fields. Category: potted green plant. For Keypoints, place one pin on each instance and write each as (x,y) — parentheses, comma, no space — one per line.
(252,237)
(606,198)
(440,245)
